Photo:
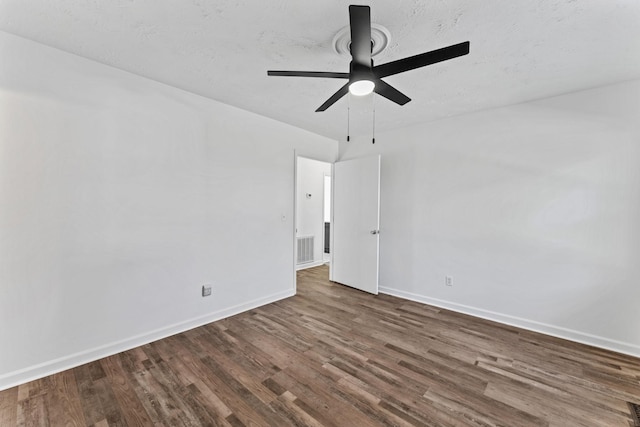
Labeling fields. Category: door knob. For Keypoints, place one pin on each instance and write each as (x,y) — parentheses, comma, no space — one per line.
(375,231)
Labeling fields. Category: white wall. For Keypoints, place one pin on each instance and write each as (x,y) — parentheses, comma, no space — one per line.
(119,198)
(533,209)
(310,213)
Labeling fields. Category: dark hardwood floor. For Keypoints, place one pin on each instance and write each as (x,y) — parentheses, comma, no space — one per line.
(334,356)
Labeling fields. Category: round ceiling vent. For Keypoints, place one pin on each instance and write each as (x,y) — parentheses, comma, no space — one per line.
(380,39)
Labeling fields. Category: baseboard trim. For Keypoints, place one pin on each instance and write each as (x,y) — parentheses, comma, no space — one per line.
(35,372)
(543,328)
(309,265)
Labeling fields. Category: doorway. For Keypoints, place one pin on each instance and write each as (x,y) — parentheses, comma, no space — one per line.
(351,189)
(327,219)
(313,213)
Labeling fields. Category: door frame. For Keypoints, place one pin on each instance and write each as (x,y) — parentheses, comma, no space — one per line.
(295,214)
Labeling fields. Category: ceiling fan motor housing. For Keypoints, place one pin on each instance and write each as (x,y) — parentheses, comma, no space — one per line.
(359,72)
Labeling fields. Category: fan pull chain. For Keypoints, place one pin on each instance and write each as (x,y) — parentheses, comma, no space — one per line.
(348,114)
(373,139)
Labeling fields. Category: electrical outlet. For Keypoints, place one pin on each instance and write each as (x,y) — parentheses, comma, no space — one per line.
(206,291)
(448,280)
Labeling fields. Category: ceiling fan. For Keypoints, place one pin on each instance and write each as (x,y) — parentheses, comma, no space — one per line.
(363,76)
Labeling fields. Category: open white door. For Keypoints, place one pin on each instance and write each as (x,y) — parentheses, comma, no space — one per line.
(356,222)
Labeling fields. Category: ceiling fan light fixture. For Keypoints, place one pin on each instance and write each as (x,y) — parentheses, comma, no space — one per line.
(363,77)
(361,87)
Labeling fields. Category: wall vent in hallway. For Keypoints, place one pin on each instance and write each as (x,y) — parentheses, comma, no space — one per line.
(305,249)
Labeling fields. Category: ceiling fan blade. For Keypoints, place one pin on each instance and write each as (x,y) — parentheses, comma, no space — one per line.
(360,22)
(329,102)
(391,93)
(421,60)
(324,74)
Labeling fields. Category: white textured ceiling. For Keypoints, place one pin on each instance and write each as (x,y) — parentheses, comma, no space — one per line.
(221,49)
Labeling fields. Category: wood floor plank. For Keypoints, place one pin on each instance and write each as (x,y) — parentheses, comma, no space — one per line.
(285,404)
(199,391)
(528,399)
(335,356)
(9,407)
(132,409)
(89,394)
(245,407)
(32,412)
(63,400)
(159,381)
